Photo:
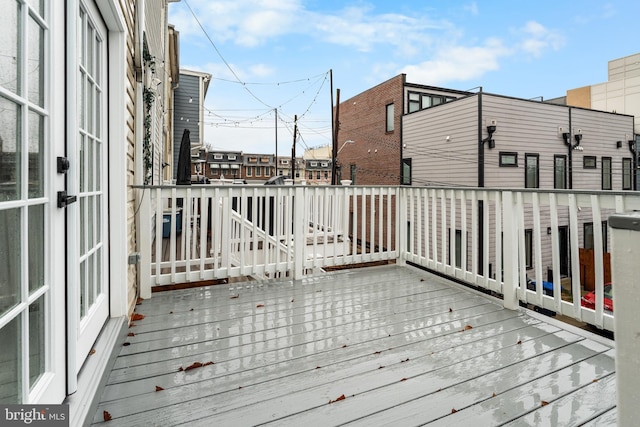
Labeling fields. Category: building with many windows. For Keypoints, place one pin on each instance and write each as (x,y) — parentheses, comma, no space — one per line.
(258,167)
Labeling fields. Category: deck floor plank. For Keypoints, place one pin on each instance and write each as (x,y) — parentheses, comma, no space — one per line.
(283,349)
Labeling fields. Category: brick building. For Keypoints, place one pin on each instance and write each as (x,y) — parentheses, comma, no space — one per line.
(369,149)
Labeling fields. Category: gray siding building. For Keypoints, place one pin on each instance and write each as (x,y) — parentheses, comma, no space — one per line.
(188,107)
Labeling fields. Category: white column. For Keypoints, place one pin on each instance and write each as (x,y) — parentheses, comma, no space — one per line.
(510,252)
(625,270)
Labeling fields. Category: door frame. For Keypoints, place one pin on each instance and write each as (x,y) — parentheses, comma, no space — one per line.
(116,171)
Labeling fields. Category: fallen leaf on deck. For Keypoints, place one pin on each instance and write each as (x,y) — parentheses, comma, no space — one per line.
(106,416)
(422,280)
(235,296)
(191,309)
(180,369)
(158,388)
(405,360)
(239,387)
(194,365)
(543,403)
(126,344)
(137,316)
(454,410)
(92,352)
(131,334)
(208,363)
(404,379)
(595,380)
(377,352)
(291,299)
(519,342)
(171,312)
(344,346)
(139,301)
(450,310)
(380,367)
(342,397)
(318,367)
(493,395)
(259,305)
(466,328)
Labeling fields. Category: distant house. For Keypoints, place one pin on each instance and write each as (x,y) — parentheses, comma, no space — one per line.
(188,106)
(318,166)
(224,164)
(258,167)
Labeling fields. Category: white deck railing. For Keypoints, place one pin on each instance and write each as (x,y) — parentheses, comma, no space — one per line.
(204,233)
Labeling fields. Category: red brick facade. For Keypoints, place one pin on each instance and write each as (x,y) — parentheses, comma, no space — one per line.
(375,153)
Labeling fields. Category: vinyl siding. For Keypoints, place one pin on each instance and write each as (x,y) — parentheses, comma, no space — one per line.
(436,160)
(186,114)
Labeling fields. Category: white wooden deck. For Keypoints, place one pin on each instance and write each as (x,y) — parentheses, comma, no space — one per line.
(387,345)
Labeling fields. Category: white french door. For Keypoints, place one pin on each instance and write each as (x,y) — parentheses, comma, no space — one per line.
(87,249)
(32,358)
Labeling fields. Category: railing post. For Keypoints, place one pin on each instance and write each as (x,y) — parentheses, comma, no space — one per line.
(299,234)
(625,270)
(510,252)
(146,242)
(401,225)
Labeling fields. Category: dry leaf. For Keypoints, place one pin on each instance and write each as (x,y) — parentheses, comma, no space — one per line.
(92,352)
(318,367)
(106,416)
(126,344)
(137,316)
(405,360)
(291,299)
(595,380)
(171,312)
(380,367)
(259,305)
(466,328)
(422,280)
(208,363)
(450,310)
(344,346)
(139,301)
(519,342)
(377,352)
(131,334)
(239,387)
(191,309)
(180,369)
(454,410)
(404,379)
(194,365)
(342,397)
(235,296)
(543,403)
(158,388)
(493,395)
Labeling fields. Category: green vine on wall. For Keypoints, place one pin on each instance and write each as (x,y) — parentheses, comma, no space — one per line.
(148,96)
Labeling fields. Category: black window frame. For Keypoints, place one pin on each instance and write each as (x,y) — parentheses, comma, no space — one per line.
(528,156)
(587,242)
(590,162)
(556,172)
(406,172)
(390,124)
(627,173)
(607,177)
(504,154)
(528,248)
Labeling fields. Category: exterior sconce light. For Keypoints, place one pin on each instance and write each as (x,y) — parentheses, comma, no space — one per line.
(567,137)
(632,145)
(618,144)
(490,130)
(549,230)
(578,138)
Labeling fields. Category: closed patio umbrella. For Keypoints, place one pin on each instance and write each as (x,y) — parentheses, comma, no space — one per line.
(183,175)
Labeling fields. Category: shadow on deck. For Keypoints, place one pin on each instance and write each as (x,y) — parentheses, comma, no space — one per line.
(386,345)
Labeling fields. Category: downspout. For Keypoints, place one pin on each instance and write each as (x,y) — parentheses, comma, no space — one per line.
(401,109)
(138,173)
(570,156)
(634,161)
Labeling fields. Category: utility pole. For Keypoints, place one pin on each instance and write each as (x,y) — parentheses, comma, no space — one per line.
(275,110)
(335,129)
(293,148)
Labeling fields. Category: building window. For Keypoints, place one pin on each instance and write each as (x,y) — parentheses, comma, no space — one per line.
(588,235)
(406,171)
(326,174)
(253,160)
(267,171)
(414,102)
(353,174)
(528,248)
(589,162)
(390,118)
(606,173)
(317,174)
(249,171)
(508,159)
(310,175)
(626,173)
(313,163)
(560,172)
(458,254)
(231,157)
(532,171)
(258,170)
(217,156)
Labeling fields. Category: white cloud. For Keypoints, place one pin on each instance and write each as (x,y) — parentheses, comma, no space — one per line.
(472,8)
(537,39)
(458,63)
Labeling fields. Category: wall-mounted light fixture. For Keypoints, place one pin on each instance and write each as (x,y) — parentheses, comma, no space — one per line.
(578,137)
(548,230)
(567,137)
(618,144)
(632,145)
(491,129)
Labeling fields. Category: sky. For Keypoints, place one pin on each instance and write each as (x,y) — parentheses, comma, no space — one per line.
(268,55)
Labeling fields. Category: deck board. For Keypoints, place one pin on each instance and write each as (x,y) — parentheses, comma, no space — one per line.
(405,348)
